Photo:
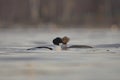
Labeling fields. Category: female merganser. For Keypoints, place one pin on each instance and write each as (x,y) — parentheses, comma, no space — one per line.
(61,44)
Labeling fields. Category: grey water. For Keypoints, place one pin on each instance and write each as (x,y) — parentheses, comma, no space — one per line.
(99,63)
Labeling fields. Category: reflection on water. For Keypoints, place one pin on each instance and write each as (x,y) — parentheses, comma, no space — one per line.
(99,63)
(62,65)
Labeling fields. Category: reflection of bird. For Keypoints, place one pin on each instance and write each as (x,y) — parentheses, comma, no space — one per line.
(61,44)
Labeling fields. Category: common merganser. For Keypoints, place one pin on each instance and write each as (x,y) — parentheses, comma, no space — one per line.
(61,44)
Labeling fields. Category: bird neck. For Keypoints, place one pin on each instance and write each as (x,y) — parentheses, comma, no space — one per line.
(58,48)
(64,46)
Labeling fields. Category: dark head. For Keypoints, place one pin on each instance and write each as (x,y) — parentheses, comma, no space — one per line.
(57,41)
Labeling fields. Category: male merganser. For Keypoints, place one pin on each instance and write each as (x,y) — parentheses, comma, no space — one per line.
(57,42)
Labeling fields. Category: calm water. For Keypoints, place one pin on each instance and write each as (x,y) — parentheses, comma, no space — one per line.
(99,63)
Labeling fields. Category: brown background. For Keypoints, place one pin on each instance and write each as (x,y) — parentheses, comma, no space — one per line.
(75,12)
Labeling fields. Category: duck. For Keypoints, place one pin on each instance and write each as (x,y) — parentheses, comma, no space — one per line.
(61,44)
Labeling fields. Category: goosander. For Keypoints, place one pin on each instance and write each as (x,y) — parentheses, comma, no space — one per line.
(57,43)
(61,44)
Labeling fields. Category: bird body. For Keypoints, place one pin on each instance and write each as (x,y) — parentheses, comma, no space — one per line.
(61,44)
